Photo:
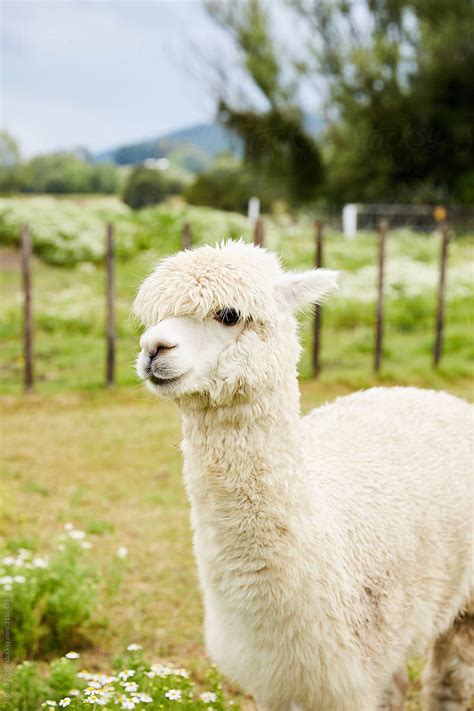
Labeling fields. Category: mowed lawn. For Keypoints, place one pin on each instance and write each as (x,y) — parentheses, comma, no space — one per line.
(108,461)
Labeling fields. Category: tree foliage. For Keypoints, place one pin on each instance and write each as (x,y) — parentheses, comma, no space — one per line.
(146,186)
(57,173)
(275,141)
(227,185)
(392,78)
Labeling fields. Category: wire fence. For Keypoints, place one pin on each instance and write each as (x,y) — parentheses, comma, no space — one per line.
(259,240)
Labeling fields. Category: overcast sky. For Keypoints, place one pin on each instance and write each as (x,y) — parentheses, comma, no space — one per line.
(99,73)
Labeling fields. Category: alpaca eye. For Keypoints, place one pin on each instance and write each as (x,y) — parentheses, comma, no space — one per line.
(228,317)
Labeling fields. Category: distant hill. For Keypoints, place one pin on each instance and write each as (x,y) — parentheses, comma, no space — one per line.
(192,149)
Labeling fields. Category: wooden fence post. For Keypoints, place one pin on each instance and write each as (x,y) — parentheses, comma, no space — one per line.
(438,344)
(28,374)
(187,236)
(317,308)
(258,233)
(110,287)
(379,313)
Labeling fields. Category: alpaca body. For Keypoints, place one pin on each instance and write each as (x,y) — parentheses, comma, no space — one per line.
(362,554)
(331,546)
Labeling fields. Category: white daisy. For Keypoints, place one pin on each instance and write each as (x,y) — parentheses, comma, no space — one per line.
(76,535)
(208,697)
(130,686)
(39,562)
(173,695)
(144,698)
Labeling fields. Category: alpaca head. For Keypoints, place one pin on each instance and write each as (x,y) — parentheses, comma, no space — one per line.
(220,323)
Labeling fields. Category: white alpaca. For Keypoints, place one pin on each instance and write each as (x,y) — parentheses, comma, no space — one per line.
(330,546)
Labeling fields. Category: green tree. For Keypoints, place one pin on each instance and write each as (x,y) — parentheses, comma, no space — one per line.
(397,75)
(105,178)
(228,185)
(9,162)
(149,187)
(392,78)
(58,173)
(276,144)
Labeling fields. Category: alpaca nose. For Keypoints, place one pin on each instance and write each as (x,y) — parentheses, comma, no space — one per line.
(158,340)
(154,345)
(160,348)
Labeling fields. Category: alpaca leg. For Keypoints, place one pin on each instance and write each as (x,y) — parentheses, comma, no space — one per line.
(394,696)
(449,676)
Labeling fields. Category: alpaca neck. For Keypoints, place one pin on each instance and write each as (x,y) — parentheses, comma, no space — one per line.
(242,469)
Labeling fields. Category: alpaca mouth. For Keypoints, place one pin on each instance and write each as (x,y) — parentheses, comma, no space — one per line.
(164,381)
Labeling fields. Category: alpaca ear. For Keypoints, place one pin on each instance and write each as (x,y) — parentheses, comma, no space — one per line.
(300,289)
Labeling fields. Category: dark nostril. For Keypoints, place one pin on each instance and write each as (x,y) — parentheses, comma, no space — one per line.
(159,349)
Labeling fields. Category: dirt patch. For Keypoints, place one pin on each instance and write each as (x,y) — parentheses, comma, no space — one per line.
(10,260)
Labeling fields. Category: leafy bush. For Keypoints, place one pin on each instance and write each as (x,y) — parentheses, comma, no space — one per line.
(229,186)
(133,684)
(65,232)
(47,601)
(146,186)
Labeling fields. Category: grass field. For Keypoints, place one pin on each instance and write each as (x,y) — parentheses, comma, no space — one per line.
(108,461)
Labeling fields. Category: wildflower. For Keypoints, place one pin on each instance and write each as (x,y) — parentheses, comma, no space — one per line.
(8,560)
(74,692)
(68,526)
(125,674)
(130,686)
(39,562)
(19,578)
(87,545)
(49,703)
(173,695)
(134,647)
(65,702)
(6,580)
(160,670)
(7,588)
(144,698)
(84,674)
(72,655)
(122,552)
(76,535)
(208,697)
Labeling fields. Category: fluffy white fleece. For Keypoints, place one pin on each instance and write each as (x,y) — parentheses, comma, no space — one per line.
(330,546)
